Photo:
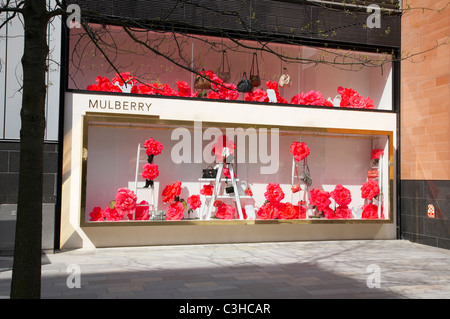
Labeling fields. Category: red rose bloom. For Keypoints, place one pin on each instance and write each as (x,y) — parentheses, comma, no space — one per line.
(341,195)
(194,201)
(103,84)
(97,214)
(370,211)
(269,211)
(376,153)
(125,201)
(153,147)
(300,150)
(112,214)
(256,95)
(207,190)
(170,191)
(150,171)
(274,193)
(343,212)
(289,211)
(310,98)
(370,189)
(225,212)
(175,211)
(320,199)
(184,89)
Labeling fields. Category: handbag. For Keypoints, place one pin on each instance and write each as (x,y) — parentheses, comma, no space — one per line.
(305,177)
(255,80)
(201,82)
(295,188)
(209,172)
(244,85)
(285,79)
(224,75)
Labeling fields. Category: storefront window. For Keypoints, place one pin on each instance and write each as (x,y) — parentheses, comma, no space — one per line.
(146,170)
(288,73)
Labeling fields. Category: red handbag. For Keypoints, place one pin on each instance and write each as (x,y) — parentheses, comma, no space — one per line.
(372,174)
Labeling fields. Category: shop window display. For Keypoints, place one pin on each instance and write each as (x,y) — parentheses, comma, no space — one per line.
(148,171)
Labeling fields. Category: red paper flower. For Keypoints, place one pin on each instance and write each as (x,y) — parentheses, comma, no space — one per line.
(300,150)
(289,211)
(97,214)
(351,98)
(376,153)
(273,85)
(256,95)
(129,79)
(194,201)
(175,211)
(225,212)
(170,191)
(370,211)
(370,189)
(103,84)
(112,214)
(341,195)
(125,201)
(207,190)
(221,143)
(320,199)
(274,193)
(270,210)
(150,171)
(153,147)
(310,98)
(184,89)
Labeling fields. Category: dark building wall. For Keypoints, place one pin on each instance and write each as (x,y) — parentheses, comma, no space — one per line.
(9,186)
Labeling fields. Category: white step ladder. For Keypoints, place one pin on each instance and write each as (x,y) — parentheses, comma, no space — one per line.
(138,179)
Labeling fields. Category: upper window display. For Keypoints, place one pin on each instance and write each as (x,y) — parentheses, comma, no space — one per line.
(180,65)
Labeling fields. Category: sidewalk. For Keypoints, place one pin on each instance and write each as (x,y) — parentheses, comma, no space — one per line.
(327,269)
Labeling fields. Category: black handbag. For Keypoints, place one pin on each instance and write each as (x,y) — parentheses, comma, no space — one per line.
(209,172)
(244,85)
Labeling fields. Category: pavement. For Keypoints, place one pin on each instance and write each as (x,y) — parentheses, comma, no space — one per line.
(373,269)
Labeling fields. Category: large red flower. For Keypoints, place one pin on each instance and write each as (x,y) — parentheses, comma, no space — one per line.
(125,200)
(370,211)
(150,171)
(320,199)
(112,214)
(170,191)
(175,211)
(341,212)
(270,210)
(225,212)
(300,150)
(97,214)
(370,189)
(341,195)
(207,190)
(351,98)
(194,201)
(289,211)
(376,153)
(274,193)
(153,147)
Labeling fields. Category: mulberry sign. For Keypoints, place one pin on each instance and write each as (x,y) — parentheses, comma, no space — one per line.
(117,105)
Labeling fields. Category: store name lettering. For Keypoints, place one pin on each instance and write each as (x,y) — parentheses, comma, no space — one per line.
(119,105)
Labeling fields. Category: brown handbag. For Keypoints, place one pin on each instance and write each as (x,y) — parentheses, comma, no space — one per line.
(224,75)
(202,82)
(255,80)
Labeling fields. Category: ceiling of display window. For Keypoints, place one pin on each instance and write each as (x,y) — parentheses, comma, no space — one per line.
(165,63)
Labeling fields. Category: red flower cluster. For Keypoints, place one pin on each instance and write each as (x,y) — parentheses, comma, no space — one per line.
(207,190)
(125,201)
(370,189)
(351,98)
(274,193)
(153,147)
(171,191)
(259,95)
(175,211)
(142,211)
(370,211)
(104,85)
(194,201)
(320,199)
(225,211)
(150,171)
(300,150)
(376,153)
(310,98)
(341,195)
